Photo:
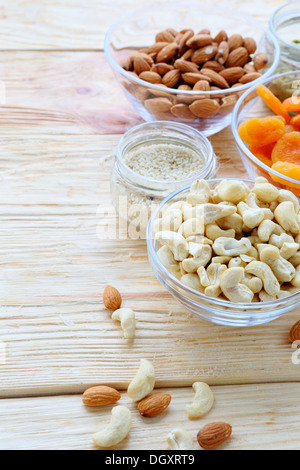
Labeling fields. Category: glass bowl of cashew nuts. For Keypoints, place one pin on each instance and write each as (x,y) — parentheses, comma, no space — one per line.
(229,250)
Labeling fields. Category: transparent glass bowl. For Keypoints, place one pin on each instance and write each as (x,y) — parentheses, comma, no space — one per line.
(285,25)
(217,311)
(138,30)
(250,105)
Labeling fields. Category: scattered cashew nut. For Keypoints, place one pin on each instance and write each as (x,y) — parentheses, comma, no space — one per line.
(127,318)
(232,287)
(143,383)
(203,401)
(116,430)
(179,439)
(176,242)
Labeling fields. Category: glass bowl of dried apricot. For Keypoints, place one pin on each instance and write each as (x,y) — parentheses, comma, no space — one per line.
(266,128)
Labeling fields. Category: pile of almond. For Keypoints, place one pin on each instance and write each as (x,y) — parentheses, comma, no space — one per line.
(194,62)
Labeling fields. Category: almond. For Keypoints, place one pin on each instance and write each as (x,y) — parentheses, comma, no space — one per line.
(204,54)
(164,36)
(294,334)
(185,37)
(145,56)
(249,77)
(100,396)
(199,40)
(156,47)
(162,68)
(112,298)
(188,54)
(223,52)
(260,61)
(185,66)
(140,65)
(213,435)
(151,77)
(202,85)
(228,103)
(213,65)
(167,52)
(215,78)
(154,404)
(220,37)
(192,78)
(204,31)
(185,87)
(205,108)
(249,68)
(235,41)
(182,111)
(158,105)
(237,58)
(171,78)
(250,45)
(232,74)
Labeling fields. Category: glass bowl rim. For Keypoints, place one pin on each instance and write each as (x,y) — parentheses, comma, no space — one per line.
(115,66)
(145,181)
(274,31)
(239,141)
(253,306)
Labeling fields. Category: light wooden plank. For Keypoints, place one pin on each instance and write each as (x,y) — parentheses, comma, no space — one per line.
(77,25)
(57,335)
(261,416)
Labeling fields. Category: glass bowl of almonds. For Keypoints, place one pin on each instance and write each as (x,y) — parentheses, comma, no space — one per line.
(189,62)
(229,250)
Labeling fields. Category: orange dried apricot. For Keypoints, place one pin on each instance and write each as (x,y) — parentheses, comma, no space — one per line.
(263,153)
(287,149)
(295,121)
(260,132)
(292,104)
(272,102)
(291,171)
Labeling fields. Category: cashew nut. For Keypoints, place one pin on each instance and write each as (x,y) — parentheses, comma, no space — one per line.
(285,215)
(265,273)
(209,213)
(264,297)
(167,259)
(233,221)
(265,192)
(251,217)
(232,191)
(203,401)
(213,231)
(170,222)
(192,280)
(232,287)
(267,228)
(283,270)
(210,278)
(116,430)
(143,383)
(176,242)
(190,227)
(253,203)
(221,259)
(199,193)
(201,256)
(179,439)
(295,259)
(127,318)
(231,247)
(285,195)
(237,262)
(279,240)
(289,249)
(254,283)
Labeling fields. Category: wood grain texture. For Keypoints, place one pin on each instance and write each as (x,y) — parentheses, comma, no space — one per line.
(77,25)
(261,416)
(54,196)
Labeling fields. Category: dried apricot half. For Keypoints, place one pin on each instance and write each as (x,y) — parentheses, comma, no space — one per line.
(295,121)
(272,102)
(260,132)
(287,149)
(264,153)
(292,104)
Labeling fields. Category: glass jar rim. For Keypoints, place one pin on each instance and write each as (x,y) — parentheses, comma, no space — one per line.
(179,130)
(274,30)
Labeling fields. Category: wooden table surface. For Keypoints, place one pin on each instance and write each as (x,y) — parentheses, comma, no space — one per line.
(62,118)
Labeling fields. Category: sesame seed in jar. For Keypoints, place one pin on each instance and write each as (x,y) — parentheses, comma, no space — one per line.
(164,161)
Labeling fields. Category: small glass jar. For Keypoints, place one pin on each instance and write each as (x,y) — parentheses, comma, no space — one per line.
(285,25)
(135,197)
